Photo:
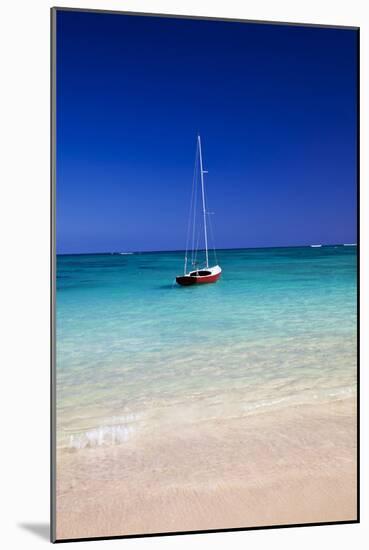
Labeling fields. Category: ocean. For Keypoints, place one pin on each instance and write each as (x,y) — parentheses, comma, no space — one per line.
(137,354)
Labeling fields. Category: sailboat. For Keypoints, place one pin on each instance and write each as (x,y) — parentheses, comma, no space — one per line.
(199,274)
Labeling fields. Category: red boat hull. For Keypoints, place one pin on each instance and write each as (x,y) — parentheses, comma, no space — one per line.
(187,280)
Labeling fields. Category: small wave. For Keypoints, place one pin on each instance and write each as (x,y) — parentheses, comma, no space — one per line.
(310,397)
(344,392)
(101,436)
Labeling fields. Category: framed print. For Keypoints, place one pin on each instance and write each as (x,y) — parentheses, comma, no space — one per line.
(204,274)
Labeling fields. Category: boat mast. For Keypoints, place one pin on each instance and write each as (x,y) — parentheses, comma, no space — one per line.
(202,172)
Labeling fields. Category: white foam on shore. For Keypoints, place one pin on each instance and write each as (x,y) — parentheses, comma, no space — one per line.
(118,430)
(103,435)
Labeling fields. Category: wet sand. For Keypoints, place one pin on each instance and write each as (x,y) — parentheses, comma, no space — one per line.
(292,465)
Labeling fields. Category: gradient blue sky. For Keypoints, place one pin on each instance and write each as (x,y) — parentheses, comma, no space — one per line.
(275,106)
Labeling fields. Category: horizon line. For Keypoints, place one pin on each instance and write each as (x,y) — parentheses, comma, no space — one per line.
(317,245)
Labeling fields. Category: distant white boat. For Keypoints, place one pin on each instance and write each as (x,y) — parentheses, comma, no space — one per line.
(125,253)
(350,244)
(315,245)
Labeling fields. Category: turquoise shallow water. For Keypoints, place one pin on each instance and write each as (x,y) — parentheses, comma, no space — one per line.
(137,354)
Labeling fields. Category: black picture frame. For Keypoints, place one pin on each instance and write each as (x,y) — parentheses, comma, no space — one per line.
(53,86)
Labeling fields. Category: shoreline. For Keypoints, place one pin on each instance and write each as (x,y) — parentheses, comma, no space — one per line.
(118,429)
(287,466)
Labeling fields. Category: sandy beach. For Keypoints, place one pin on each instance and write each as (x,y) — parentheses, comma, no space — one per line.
(292,465)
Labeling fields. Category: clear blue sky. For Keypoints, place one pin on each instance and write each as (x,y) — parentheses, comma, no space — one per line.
(275,106)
